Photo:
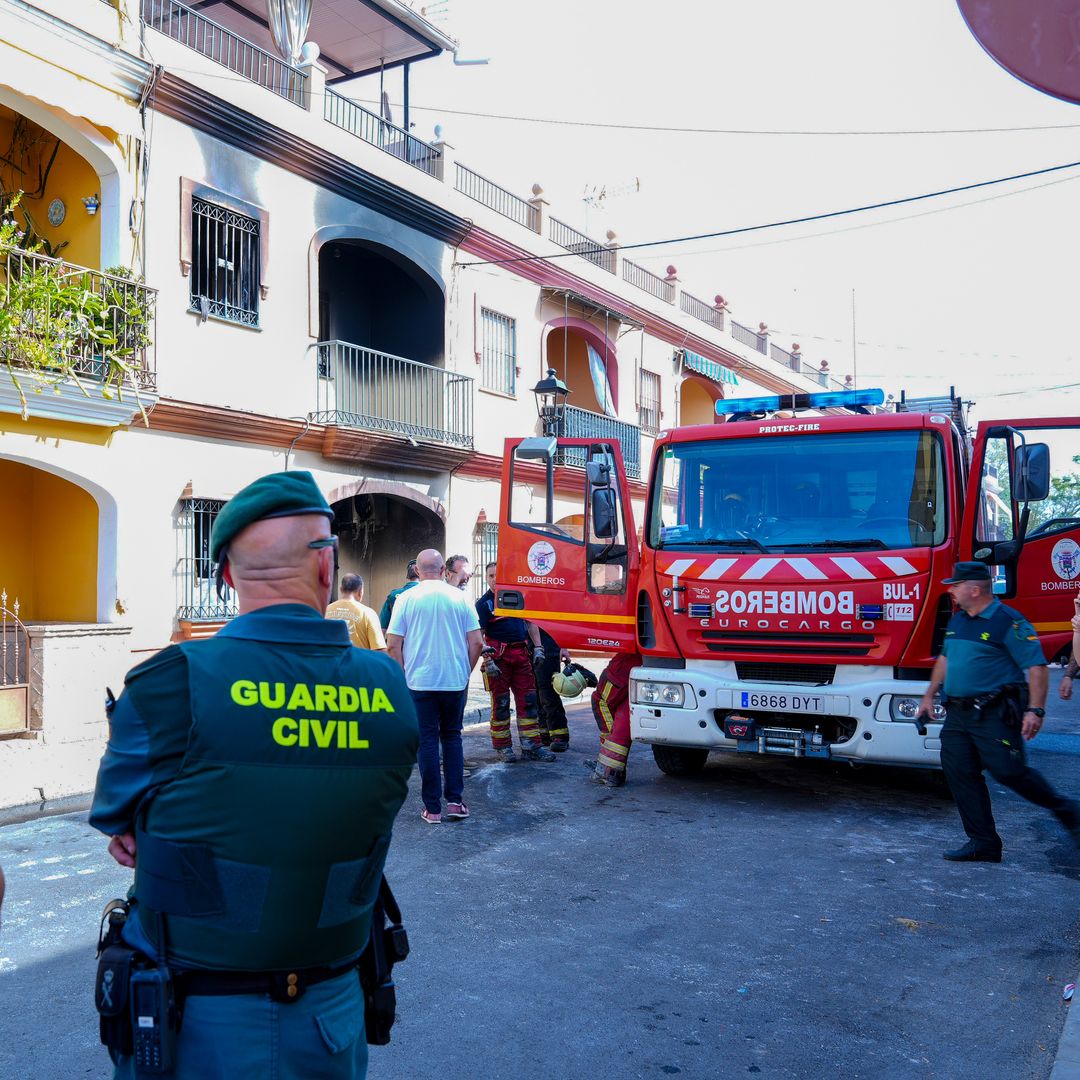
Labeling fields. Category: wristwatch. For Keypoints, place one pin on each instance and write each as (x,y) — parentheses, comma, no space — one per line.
(1040,713)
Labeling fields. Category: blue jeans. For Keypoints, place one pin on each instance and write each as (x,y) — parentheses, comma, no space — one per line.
(439,714)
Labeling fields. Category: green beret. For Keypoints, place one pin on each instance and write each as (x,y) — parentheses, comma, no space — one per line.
(283,494)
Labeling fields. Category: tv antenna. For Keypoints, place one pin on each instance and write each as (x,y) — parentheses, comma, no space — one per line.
(597,196)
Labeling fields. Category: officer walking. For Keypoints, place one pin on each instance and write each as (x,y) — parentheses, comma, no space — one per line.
(992,709)
(252,780)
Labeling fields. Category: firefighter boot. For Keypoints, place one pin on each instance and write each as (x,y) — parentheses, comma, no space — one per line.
(506,755)
(536,752)
(609,777)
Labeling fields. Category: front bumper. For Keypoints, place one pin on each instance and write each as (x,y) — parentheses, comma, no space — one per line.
(783,717)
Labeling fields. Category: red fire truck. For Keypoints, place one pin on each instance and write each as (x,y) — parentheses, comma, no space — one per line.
(784,592)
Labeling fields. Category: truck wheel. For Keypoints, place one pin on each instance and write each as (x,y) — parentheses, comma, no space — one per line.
(679,760)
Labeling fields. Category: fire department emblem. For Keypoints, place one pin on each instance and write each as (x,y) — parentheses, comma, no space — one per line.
(1065,559)
(541,558)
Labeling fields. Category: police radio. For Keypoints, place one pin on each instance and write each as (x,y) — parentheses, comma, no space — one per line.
(153,1021)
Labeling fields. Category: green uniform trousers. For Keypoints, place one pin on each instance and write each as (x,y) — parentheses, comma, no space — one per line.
(976,739)
(252,1037)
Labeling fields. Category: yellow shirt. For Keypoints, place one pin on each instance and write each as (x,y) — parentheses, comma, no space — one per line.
(363,623)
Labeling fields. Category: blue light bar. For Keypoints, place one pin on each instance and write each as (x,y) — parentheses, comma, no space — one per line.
(829,399)
(768,403)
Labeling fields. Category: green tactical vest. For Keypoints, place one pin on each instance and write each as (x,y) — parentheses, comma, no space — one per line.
(265,852)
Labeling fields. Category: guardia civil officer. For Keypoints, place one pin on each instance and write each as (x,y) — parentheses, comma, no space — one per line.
(252,780)
(994,674)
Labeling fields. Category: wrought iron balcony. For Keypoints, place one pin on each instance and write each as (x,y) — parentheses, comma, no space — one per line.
(582,424)
(99,326)
(500,200)
(377,391)
(203,35)
(569,239)
(397,142)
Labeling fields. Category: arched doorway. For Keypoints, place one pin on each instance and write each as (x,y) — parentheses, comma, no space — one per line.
(586,361)
(379,533)
(373,297)
(45,157)
(49,545)
(697,401)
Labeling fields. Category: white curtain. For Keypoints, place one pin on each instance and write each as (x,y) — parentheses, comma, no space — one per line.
(289,21)
(600,380)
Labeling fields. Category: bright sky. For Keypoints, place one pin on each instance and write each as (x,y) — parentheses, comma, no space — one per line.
(976,290)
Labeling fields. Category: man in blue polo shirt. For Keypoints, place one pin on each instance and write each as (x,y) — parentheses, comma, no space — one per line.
(994,674)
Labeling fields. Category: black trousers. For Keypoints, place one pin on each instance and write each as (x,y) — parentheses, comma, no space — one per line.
(976,739)
(552,714)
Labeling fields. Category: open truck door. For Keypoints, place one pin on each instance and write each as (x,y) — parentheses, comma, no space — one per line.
(1022,518)
(568,560)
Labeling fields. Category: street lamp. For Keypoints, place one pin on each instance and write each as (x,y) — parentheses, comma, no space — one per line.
(551,395)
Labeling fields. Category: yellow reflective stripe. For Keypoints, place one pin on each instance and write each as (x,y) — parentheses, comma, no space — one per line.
(566,616)
(1044,626)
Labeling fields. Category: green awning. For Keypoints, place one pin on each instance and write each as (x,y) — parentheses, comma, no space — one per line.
(711,369)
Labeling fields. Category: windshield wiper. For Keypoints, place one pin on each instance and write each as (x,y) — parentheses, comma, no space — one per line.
(725,542)
(843,545)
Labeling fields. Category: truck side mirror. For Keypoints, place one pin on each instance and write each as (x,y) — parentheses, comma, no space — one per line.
(605,522)
(598,474)
(1032,473)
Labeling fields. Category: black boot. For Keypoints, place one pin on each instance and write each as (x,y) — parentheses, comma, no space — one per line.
(972,852)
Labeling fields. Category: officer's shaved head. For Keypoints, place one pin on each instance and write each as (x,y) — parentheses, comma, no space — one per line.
(271,562)
(429,563)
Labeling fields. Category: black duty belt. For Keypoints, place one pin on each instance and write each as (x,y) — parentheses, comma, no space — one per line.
(963,702)
(285,986)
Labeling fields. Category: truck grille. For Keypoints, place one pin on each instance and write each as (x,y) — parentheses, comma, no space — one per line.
(804,674)
(751,641)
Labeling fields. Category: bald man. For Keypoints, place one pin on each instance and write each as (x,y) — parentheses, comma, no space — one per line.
(435,635)
(251,781)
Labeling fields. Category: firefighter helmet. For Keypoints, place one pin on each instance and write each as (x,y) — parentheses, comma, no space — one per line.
(572,680)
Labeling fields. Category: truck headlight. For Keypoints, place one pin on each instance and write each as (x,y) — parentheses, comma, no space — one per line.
(653,693)
(907,708)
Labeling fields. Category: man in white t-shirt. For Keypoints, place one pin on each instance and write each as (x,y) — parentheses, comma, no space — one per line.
(435,635)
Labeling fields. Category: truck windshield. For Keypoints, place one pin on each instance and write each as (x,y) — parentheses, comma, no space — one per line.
(860,490)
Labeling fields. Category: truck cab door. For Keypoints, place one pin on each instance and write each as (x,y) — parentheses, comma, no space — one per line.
(1022,517)
(568,554)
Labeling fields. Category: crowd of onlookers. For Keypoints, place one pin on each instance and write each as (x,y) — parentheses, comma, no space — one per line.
(433,629)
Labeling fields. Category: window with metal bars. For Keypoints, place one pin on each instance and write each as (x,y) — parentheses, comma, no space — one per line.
(650,402)
(224,263)
(485,550)
(198,599)
(498,352)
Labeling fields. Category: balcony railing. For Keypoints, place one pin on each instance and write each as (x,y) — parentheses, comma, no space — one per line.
(104,326)
(376,391)
(782,356)
(570,239)
(748,336)
(651,283)
(181,23)
(581,424)
(497,198)
(698,309)
(373,129)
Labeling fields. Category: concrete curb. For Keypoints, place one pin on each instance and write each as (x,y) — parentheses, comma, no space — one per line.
(1067,1060)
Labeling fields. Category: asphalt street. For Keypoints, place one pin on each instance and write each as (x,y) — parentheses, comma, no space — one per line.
(770,918)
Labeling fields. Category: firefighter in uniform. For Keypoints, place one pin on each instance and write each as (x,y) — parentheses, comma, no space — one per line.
(554,729)
(507,669)
(611,710)
(994,676)
(252,780)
